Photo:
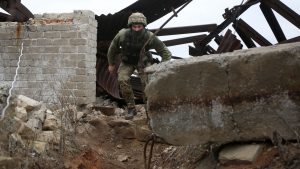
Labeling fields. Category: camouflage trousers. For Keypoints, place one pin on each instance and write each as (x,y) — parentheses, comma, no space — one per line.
(124,73)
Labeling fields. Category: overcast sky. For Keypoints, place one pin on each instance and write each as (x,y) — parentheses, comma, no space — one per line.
(198,12)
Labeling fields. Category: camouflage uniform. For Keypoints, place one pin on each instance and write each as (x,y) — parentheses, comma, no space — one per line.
(129,43)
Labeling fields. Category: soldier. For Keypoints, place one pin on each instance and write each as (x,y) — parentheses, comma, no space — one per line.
(129,42)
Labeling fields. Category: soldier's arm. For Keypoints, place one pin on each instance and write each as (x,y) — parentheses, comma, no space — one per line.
(114,50)
(161,49)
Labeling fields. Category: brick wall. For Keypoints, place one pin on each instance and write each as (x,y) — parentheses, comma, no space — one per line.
(59,56)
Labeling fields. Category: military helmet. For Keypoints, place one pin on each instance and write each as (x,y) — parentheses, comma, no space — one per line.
(137,17)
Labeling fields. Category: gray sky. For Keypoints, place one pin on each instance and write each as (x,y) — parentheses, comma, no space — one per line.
(198,12)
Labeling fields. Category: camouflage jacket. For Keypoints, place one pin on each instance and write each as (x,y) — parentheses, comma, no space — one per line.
(117,43)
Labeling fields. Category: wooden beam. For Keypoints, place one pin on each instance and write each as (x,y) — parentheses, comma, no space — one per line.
(284,11)
(180,41)
(185,29)
(252,33)
(272,21)
(245,37)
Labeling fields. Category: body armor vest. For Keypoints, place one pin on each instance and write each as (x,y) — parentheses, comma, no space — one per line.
(132,45)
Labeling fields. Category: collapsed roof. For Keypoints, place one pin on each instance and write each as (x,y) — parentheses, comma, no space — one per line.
(109,25)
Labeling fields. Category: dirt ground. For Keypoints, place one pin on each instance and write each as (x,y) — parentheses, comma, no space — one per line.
(104,147)
(110,142)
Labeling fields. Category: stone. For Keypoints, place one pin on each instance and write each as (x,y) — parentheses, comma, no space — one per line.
(50,123)
(9,163)
(34,124)
(122,158)
(15,143)
(123,128)
(48,136)
(39,147)
(241,154)
(39,114)
(27,132)
(238,96)
(142,133)
(4,89)
(79,115)
(28,103)
(10,125)
(21,113)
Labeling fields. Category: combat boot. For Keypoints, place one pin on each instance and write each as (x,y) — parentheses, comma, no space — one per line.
(131,113)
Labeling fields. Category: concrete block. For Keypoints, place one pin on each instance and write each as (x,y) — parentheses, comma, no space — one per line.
(10,125)
(51,49)
(69,34)
(60,42)
(44,28)
(52,34)
(21,113)
(7,36)
(48,136)
(28,103)
(240,153)
(15,143)
(78,41)
(62,27)
(68,49)
(44,42)
(34,35)
(9,163)
(39,147)
(34,124)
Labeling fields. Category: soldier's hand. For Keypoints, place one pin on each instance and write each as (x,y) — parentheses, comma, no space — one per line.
(111,69)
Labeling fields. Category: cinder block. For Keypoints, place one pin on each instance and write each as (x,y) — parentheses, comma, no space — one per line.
(60,42)
(34,35)
(52,34)
(44,42)
(63,27)
(6,36)
(78,41)
(44,28)
(51,49)
(68,49)
(69,34)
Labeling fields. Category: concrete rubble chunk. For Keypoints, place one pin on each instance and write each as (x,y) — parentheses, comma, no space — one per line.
(9,163)
(240,154)
(39,147)
(21,113)
(48,136)
(34,124)
(15,143)
(50,123)
(142,133)
(39,113)
(122,158)
(28,103)
(238,96)
(10,125)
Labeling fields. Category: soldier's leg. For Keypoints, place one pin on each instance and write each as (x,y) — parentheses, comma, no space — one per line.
(124,74)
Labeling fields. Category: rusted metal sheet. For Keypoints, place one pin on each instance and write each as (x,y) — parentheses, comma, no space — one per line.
(110,24)
(109,82)
(18,12)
